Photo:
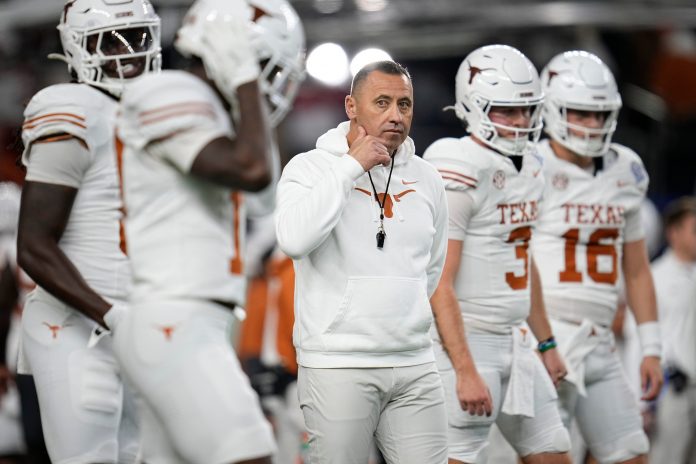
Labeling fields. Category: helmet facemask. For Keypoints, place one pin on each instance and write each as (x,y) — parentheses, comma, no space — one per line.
(279,41)
(516,141)
(122,43)
(585,141)
(280,81)
(117,55)
(276,37)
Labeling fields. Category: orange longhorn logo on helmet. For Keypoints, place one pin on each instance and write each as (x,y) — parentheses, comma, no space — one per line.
(473,71)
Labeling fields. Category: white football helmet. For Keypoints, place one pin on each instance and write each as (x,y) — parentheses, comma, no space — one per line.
(10,195)
(107,42)
(278,39)
(499,75)
(579,80)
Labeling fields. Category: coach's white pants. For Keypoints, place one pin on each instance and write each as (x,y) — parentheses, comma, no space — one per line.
(347,410)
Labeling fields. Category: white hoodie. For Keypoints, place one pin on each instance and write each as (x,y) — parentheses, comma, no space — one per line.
(357,305)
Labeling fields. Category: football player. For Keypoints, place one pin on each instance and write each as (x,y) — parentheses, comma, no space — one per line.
(187,155)
(589,232)
(69,241)
(494,184)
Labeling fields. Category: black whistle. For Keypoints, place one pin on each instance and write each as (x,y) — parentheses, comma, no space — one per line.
(380,239)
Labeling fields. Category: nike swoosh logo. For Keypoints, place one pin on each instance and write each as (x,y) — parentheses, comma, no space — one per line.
(405,182)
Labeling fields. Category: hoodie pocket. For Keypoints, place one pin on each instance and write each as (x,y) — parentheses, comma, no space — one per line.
(381,314)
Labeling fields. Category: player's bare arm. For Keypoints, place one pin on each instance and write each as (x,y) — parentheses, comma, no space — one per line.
(243,163)
(472,391)
(44,213)
(640,294)
(539,323)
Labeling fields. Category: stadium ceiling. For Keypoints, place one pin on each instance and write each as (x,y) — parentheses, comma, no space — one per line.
(420,27)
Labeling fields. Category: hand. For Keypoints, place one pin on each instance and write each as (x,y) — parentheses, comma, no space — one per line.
(222,40)
(473,394)
(369,151)
(650,377)
(554,365)
(233,55)
(114,316)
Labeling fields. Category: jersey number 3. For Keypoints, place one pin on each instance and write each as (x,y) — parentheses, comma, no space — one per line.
(595,249)
(521,236)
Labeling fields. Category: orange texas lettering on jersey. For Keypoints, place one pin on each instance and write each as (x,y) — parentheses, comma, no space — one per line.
(518,213)
(594,214)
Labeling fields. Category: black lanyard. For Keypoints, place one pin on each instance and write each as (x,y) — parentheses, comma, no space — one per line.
(381,234)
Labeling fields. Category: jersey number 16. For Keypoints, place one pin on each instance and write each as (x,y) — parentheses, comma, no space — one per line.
(595,249)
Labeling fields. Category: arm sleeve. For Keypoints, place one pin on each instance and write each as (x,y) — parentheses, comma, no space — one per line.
(62,162)
(174,115)
(60,111)
(633,229)
(438,250)
(457,174)
(310,204)
(461,210)
(182,148)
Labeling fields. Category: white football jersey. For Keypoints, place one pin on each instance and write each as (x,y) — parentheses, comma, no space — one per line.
(92,239)
(492,285)
(184,234)
(582,227)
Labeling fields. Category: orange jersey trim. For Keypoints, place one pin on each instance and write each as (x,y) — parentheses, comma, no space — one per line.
(236,264)
(56,138)
(458,174)
(48,121)
(178,109)
(119,167)
(468,184)
(50,115)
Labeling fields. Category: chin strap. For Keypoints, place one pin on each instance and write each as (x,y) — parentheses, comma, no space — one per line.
(59,57)
(458,109)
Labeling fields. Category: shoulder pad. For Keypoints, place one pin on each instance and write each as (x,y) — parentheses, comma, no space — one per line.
(75,109)
(160,105)
(454,165)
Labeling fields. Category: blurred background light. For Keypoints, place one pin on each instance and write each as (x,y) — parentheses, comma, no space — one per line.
(328,63)
(367,56)
(371,5)
(328,6)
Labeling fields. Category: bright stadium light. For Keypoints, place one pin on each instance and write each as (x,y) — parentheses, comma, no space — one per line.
(328,63)
(328,6)
(371,5)
(367,56)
